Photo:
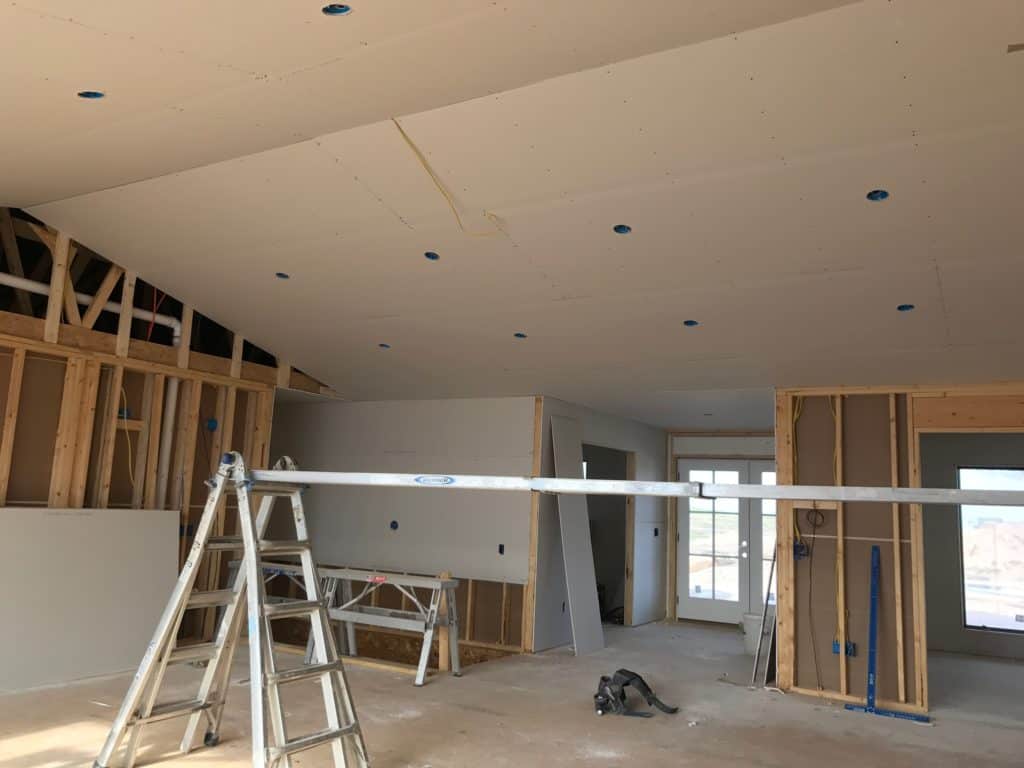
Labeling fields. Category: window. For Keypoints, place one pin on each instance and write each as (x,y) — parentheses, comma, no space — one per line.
(992,542)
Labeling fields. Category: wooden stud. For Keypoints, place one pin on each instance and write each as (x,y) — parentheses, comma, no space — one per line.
(844,681)
(897,550)
(470,600)
(10,420)
(108,437)
(443,635)
(58,279)
(142,443)
(671,535)
(124,323)
(83,433)
(224,411)
(237,346)
(40,232)
(64,446)
(71,313)
(102,296)
(154,428)
(185,343)
(13,256)
(530,592)
(785,580)
(185,457)
(917,565)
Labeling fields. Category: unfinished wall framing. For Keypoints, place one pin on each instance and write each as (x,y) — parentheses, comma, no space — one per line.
(864,437)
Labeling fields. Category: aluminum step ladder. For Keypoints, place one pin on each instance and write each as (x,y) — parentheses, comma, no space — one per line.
(140,706)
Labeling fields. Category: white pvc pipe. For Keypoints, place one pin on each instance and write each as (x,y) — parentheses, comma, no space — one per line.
(644,488)
(166,437)
(43,289)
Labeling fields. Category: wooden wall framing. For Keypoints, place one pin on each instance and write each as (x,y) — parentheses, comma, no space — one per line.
(873,435)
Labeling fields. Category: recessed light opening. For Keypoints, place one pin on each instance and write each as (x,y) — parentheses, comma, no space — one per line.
(877,195)
(622,229)
(282,275)
(384,345)
(691,323)
(91,95)
(519,335)
(431,255)
(336,9)
(905,308)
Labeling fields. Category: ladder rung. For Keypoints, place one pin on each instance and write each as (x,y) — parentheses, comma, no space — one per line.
(304,673)
(308,742)
(283,547)
(195,652)
(291,608)
(276,489)
(217,543)
(210,598)
(172,709)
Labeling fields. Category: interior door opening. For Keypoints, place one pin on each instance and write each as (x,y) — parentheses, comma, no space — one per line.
(608,531)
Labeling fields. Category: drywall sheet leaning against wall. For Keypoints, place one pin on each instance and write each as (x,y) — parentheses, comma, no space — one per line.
(574,523)
(83,590)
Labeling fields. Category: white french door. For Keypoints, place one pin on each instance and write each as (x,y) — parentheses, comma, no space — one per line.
(724,545)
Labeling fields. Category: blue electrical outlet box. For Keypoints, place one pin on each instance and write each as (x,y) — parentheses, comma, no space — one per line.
(800,550)
(851,648)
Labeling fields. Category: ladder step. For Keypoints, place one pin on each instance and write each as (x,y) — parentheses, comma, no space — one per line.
(195,652)
(220,543)
(308,742)
(277,489)
(303,673)
(172,709)
(268,547)
(290,608)
(210,598)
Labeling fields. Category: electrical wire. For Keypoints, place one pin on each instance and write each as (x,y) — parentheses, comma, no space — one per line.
(441,188)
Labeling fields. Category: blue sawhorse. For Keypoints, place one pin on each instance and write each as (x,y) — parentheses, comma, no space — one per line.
(870,708)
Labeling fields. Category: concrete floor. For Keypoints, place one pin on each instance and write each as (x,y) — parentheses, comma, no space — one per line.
(537,711)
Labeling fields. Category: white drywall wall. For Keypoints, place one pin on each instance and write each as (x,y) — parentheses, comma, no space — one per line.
(457,531)
(83,590)
(649,555)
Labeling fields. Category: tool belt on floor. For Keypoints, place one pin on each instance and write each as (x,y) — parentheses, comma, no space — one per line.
(610,698)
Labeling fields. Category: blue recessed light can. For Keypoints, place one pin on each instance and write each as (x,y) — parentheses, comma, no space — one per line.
(91,95)
(519,335)
(904,307)
(282,275)
(382,345)
(877,195)
(622,229)
(336,9)
(431,255)
(691,323)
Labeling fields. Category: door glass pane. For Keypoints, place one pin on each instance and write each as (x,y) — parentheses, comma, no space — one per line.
(701,577)
(701,533)
(731,506)
(726,477)
(766,565)
(993,553)
(701,475)
(727,579)
(727,535)
(767,535)
(701,505)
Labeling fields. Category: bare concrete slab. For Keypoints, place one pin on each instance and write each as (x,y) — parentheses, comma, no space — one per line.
(537,711)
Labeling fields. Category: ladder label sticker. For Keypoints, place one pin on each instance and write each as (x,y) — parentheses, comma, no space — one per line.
(435,480)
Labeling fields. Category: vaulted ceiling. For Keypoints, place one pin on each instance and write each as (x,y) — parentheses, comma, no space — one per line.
(737,140)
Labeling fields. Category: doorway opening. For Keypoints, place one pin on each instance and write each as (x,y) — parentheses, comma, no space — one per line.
(610,532)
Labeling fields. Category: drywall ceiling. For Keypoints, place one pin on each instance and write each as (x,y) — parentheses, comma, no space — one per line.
(192,82)
(741,163)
